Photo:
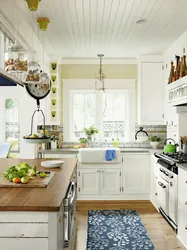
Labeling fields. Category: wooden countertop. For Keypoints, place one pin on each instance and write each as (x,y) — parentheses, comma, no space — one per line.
(37,199)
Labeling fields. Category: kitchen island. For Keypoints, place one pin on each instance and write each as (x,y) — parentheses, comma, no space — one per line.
(32,218)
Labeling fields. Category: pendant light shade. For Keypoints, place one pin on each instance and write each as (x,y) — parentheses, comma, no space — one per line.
(43,23)
(99,78)
(32,4)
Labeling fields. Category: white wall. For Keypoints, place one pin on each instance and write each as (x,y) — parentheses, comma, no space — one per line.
(89,84)
(26,107)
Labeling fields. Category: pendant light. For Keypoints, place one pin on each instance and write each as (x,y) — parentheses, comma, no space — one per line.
(33,4)
(44,77)
(99,79)
(16,55)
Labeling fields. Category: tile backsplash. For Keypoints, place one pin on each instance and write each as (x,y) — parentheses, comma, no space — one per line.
(159,131)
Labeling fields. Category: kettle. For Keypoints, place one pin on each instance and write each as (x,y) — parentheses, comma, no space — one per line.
(170,148)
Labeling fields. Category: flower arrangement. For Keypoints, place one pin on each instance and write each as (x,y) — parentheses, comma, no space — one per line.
(155,141)
(155,138)
(91,130)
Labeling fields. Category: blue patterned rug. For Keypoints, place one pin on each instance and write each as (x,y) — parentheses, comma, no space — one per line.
(117,230)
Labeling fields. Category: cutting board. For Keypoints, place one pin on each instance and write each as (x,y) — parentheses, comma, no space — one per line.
(36,183)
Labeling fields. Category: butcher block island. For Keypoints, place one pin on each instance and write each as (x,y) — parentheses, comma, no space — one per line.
(34,218)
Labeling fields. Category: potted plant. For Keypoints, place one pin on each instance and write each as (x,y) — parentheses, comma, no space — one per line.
(90,132)
(155,141)
(83,142)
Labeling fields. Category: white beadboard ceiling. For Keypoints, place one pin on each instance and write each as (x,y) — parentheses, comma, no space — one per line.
(84,28)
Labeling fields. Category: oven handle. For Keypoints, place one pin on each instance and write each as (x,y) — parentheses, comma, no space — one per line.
(161,184)
(73,188)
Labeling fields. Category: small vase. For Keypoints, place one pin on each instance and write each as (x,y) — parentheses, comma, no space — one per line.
(178,65)
(53,145)
(183,66)
(172,73)
(155,144)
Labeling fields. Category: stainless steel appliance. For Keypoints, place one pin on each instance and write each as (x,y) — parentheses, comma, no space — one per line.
(167,185)
(69,213)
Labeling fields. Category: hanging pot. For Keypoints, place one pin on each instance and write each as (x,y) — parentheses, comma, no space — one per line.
(32,4)
(43,23)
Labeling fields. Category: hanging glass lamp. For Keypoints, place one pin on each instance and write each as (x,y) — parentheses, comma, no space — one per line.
(43,23)
(33,4)
(99,78)
(16,59)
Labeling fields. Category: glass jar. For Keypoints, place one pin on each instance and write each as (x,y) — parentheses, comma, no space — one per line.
(16,59)
(45,82)
(33,73)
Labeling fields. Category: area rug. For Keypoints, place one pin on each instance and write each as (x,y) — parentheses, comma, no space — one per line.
(117,230)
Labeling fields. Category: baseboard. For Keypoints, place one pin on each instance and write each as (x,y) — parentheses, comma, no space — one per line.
(141,206)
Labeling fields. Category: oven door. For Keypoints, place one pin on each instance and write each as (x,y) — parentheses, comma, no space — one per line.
(69,213)
(163,194)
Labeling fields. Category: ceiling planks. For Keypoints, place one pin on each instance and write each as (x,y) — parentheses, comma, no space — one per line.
(84,28)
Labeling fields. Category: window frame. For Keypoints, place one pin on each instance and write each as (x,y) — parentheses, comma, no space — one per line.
(129,100)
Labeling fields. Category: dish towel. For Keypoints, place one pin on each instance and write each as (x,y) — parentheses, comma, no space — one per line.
(110,155)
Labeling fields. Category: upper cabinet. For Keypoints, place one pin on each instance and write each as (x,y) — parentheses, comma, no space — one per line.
(150,91)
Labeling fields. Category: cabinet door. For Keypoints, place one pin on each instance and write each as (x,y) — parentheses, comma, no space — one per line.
(110,181)
(136,173)
(89,181)
(153,181)
(152,94)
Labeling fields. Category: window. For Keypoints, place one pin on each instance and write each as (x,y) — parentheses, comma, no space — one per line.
(108,111)
(12,122)
(114,115)
(83,112)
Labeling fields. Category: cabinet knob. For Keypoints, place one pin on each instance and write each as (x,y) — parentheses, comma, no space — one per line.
(186,227)
(186,203)
(60,220)
(156,194)
(186,182)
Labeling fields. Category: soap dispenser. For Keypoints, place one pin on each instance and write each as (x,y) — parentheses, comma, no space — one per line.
(115,143)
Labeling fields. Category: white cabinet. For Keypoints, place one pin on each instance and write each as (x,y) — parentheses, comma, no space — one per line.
(99,181)
(136,172)
(154,172)
(151,93)
(110,181)
(182,206)
(88,181)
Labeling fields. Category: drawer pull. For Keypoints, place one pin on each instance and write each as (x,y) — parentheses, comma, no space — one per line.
(60,220)
(186,182)
(186,227)
(186,203)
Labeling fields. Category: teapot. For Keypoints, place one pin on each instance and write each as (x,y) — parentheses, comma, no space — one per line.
(170,148)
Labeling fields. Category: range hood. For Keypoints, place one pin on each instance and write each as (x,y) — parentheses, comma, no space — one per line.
(7,79)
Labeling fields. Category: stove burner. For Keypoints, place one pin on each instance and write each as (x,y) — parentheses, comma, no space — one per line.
(179,156)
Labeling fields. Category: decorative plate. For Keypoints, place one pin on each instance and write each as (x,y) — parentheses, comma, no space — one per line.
(52,164)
